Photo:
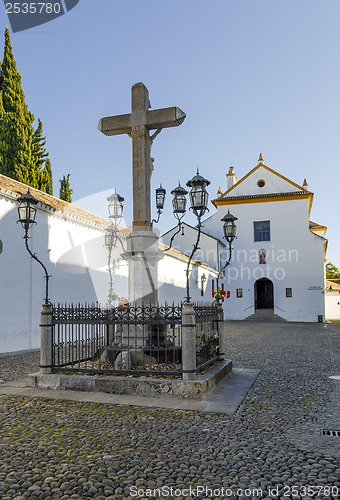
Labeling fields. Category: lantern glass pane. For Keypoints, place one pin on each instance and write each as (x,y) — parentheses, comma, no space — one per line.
(160,198)
(27,212)
(116,209)
(22,212)
(229,230)
(179,204)
(32,212)
(108,240)
(196,197)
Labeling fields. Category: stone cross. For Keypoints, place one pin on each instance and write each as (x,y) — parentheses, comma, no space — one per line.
(142,252)
(137,125)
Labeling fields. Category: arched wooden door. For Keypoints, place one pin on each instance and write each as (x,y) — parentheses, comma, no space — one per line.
(264,294)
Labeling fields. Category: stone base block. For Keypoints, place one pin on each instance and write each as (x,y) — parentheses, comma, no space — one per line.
(191,389)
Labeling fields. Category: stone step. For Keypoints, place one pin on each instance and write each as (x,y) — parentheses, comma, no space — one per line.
(265,315)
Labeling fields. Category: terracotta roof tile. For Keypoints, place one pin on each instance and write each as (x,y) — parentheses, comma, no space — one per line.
(18,188)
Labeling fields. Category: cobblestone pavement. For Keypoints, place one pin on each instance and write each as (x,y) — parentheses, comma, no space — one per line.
(271,448)
(16,367)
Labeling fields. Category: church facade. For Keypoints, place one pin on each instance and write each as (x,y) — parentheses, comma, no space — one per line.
(278,256)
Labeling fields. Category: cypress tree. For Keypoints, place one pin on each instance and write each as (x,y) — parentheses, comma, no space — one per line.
(65,189)
(2,119)
(47,184)
(38,146)
(40,157)
(23,155)
(17,123)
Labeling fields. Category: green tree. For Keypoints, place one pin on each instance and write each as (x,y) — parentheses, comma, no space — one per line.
(40,157)
(65,189)
(38,146)
(2,118)
(17,123)
(23,155)
(47,184)
(332,272)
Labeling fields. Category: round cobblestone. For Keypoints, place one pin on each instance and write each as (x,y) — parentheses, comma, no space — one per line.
(271,447)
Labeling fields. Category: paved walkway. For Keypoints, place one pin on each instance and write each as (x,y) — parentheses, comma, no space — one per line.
(226,398)
(271,447)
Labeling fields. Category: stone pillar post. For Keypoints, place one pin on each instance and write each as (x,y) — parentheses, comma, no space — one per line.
(110,334)
(188,342)
(143,255)
(222,347)
(46,339)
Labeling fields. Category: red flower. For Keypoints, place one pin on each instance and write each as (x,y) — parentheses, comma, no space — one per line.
(213,294)
(224,292)
(228,294)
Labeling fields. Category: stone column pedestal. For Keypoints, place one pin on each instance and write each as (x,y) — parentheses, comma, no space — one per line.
(222,346)
(143,255)
(188,341)
(46,339)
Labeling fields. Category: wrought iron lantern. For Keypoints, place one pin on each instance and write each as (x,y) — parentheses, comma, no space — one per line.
(229,227)
(27,213)
(179,201)
(229,230)
(26,210)
(115,207)
(198,194)
(160,197)
(199,205)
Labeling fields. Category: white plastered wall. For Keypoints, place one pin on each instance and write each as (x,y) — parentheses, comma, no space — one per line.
(332,306)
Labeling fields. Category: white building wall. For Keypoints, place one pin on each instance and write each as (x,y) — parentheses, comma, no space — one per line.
(294,259)
(172,279)
(274,183)
(209,248)
(333,306)
(56,243)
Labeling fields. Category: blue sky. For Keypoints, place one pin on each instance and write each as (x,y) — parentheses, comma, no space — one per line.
(252,77)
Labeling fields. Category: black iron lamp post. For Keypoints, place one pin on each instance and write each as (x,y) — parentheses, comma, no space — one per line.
(111,235)
(110,243)
(199,205)
(27,213)
(160,200)
(116,215)
(179,203)
(229,230)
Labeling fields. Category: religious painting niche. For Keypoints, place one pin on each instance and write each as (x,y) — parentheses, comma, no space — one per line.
(262,256)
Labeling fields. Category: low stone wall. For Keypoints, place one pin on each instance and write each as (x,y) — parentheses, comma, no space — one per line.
(193,389)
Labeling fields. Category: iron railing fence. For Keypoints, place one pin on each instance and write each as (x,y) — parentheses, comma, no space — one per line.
(137,340)
(207,336)
(133,340)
